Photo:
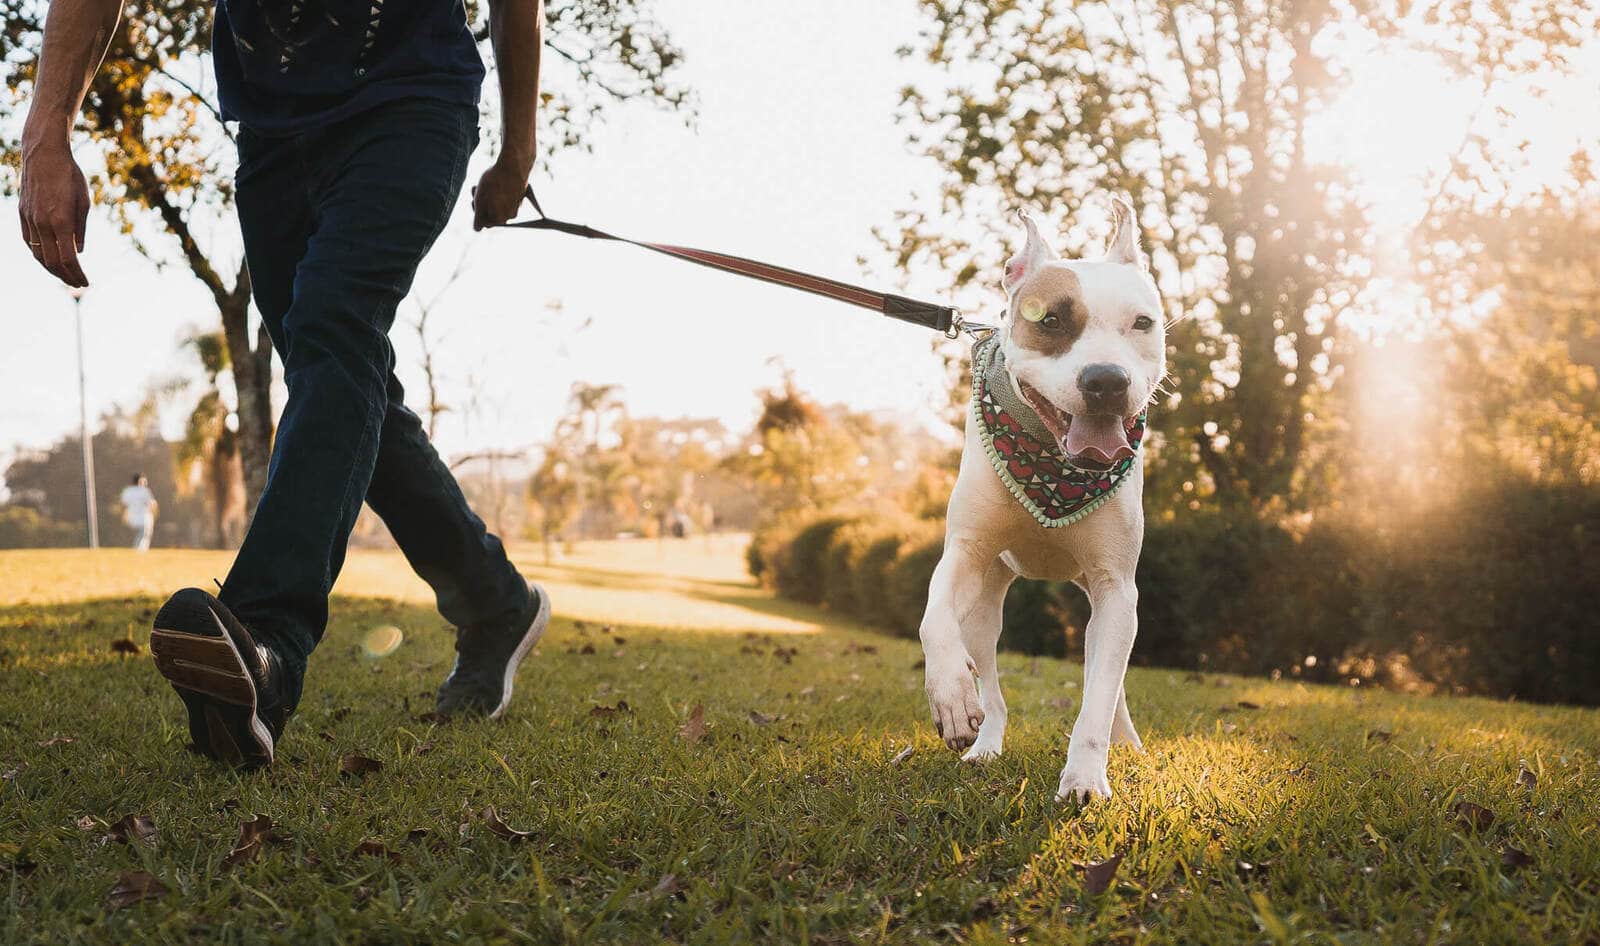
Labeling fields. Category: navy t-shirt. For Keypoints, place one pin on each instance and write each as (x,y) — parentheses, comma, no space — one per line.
(285,66)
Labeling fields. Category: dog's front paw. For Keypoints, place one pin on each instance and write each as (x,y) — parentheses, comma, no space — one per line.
(1083,783)
(953,700)
(982,751)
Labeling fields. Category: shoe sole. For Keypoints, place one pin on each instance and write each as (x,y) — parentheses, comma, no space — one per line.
(541,620)
(210,676)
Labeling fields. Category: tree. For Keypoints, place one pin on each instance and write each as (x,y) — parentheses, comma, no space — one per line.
(209,451)
(166,177)
(553,492)
(1201,112)
(1524,378)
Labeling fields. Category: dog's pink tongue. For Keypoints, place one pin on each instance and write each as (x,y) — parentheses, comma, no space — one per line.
(1099,437)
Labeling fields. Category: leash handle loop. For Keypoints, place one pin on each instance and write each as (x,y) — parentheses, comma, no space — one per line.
(939,318)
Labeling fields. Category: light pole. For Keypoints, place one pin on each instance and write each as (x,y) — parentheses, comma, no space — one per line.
(83,427)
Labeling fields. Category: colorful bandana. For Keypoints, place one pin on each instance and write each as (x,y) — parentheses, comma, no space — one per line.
(1025,455)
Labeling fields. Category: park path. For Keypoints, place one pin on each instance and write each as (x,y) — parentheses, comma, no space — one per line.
(697,583)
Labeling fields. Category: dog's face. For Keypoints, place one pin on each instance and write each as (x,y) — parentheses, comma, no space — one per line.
(1085,341)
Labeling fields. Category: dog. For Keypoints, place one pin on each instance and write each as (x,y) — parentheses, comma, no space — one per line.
(1050,487)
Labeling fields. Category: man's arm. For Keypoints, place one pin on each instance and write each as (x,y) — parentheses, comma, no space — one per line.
(516,29)
(55,199)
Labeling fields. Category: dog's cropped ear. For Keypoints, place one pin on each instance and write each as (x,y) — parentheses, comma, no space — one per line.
(1123,247)
(1035,253)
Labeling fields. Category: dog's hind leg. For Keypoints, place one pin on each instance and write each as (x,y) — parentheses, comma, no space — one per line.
(1122,730)
(980,631)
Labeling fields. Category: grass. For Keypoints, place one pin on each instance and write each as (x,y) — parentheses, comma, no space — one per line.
(1324,815)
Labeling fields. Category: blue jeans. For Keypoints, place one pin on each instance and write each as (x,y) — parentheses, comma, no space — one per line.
(335,222)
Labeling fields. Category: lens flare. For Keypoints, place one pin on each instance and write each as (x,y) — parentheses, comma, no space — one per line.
(382,641)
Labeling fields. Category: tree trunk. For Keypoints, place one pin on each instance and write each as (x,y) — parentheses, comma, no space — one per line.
(252,380)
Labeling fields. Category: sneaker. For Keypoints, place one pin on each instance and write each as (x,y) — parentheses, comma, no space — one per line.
(487,656)
(232,686)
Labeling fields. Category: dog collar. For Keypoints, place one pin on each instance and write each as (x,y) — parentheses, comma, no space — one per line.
(1026,457)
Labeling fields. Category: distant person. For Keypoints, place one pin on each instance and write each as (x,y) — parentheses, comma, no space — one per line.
(139,508)
(355,128)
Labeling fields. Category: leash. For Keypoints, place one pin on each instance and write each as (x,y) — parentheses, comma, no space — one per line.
(940,318)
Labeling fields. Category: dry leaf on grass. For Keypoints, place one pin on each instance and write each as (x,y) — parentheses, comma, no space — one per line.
(762,719)
(357,764)
(1380,735)
(602,711)
(1515,858)
(902,755)
(57,741)
(133,828)
(1474,817)
(500,828)
(1247,705)
(87,823)
(694,729)
(1097,877)
(1527,780)
(253,834)
(132,887)
(126,645)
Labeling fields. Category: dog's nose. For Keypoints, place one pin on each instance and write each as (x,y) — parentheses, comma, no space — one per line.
(1104,387)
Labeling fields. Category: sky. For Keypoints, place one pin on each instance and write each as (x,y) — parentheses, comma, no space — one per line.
(794,158)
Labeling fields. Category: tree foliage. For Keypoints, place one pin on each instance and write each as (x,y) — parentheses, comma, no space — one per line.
(1203,112)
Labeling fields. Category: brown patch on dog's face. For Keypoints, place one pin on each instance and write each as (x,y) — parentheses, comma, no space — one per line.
(1055,300)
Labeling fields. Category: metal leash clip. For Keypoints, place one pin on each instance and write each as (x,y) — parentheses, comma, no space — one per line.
(960,326)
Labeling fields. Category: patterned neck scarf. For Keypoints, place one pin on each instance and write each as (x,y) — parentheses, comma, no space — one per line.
(1026,456)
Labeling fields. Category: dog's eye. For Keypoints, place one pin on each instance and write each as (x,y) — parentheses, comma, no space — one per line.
(1144,323)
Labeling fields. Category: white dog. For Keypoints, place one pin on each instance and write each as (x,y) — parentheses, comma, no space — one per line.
(1049,487)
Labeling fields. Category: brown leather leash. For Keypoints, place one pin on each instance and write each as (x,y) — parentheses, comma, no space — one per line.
(940,318)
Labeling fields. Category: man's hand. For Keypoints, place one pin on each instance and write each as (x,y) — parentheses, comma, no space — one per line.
(498,194)
(55,212)
(55,199)
(516,28)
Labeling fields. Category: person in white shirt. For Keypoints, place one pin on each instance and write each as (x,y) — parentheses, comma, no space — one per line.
(139,508)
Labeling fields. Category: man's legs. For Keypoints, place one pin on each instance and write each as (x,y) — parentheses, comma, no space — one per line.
(366,199)
(444,540)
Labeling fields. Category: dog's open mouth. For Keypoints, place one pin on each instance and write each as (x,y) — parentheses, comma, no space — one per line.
(1088,441)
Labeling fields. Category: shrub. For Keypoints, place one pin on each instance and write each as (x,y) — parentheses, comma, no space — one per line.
(905,588)
(797,567)
(24,528)
(1039,620)
(1492,592)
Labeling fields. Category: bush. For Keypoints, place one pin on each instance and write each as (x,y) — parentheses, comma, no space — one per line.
(24,528)
(797,568)
(1491,593)
(905,587)
(1039,618)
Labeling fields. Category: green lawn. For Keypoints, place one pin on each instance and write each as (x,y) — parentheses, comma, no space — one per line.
(1261,812)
